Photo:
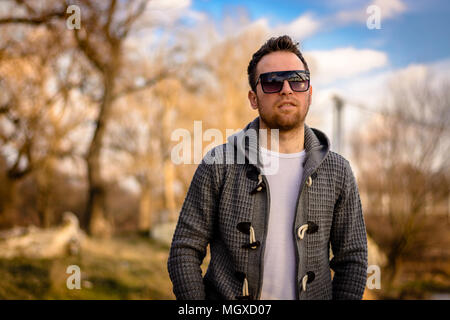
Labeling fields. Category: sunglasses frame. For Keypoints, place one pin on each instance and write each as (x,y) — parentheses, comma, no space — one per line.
(304,74)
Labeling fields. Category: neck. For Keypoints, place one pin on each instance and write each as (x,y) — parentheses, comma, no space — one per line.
(291,141)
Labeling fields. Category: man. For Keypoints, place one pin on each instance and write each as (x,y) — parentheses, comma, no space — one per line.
(270,230)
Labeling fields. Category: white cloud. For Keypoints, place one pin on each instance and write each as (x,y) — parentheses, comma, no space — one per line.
(372,89)
(161,16)
(369,90)
(330,65)
(300,28)
(261,24)
(388,9)
(165,12)
(169,4)
(366,94)
(440,70)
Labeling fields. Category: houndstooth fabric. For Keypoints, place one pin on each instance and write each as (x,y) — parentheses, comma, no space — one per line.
(220,197)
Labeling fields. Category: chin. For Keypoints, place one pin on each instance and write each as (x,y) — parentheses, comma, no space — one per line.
(283,122)
(288,126)
(289,120)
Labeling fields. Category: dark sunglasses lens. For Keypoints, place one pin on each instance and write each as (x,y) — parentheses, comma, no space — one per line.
(273,82)
(271,86)
(299,86)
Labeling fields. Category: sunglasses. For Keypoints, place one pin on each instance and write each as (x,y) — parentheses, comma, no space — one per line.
(272,82)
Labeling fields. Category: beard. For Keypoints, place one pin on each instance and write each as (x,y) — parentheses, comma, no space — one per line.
(285,121)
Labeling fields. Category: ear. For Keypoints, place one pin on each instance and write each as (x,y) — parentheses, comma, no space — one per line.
(253,99)
(310,94)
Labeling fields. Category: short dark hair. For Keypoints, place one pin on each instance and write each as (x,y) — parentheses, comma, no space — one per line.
(282,43)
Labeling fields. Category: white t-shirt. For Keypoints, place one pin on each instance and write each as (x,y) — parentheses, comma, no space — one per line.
(279,277)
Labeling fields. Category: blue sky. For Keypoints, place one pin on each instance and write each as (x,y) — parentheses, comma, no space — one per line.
(352,61)
(345,57)
(417,34)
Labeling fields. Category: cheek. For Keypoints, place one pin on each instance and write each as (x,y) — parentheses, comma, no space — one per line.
(266,103)
(264,107)
(303,98)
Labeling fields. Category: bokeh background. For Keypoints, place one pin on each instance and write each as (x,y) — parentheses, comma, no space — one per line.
(87,117)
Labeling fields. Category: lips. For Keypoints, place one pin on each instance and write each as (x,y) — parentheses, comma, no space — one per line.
(287,105)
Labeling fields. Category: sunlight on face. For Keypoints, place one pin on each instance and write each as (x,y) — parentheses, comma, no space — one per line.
(287,109)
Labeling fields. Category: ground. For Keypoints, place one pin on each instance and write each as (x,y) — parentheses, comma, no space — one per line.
(130,267)
(135,267)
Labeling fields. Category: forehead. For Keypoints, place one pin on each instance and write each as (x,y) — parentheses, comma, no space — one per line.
(279,61)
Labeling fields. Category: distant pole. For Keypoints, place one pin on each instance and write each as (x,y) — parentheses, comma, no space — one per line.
(338,106)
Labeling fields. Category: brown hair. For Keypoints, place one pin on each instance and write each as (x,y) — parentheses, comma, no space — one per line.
(282,43)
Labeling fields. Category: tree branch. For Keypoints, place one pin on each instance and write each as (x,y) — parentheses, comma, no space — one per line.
(86,48)
(147,84)
(34,20)
(127,24)
(107,26)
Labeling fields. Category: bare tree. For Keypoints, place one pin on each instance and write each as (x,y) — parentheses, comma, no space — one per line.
(36,115)
(105,26)
(135,152)
(404,166)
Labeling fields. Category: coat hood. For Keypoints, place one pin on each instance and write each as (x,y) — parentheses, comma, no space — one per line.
(246,145)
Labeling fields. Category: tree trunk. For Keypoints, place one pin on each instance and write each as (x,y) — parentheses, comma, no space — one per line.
(145,210)
(45,187)
(98,222)
(8,214)
(45,211)
(96,219)
(169,195)
(391,277)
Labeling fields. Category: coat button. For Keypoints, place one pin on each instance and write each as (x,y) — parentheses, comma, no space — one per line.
(301,231)
(259,186)
(312,227)
(309,227)
(307,278)
(309,181)
(244,227)
(252,173)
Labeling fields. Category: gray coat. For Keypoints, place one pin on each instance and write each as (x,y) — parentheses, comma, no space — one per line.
(228,201)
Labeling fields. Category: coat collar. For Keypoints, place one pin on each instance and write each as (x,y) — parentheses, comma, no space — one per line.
(316,144)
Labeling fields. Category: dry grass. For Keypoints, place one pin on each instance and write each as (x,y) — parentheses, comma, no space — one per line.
(133,267)
(424,269)
(119,268)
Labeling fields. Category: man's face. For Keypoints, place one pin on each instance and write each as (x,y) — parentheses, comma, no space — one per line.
(285,110)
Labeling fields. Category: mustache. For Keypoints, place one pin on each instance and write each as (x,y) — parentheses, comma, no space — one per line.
(286,101)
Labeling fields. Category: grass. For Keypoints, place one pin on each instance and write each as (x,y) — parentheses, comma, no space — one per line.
(421,289)
(421,279)
(128,267)
(135,267)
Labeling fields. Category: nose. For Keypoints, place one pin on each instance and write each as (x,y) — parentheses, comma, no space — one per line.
(286,88)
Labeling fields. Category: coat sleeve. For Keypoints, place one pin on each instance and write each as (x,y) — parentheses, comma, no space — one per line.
(349,242)
(192,235)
